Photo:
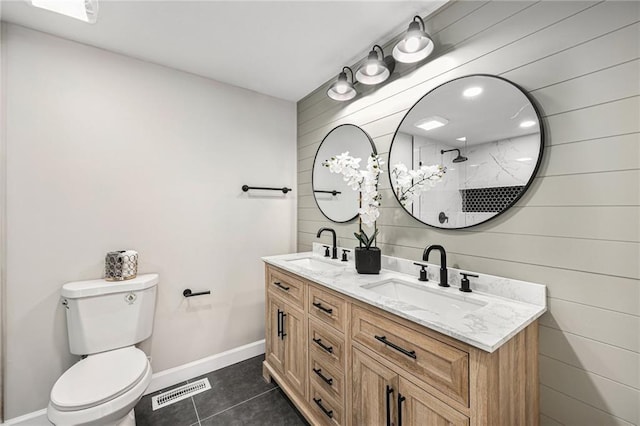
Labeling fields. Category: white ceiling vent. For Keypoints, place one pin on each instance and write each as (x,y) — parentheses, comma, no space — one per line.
(180,393)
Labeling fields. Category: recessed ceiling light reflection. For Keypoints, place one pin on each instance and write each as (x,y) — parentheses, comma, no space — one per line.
(431,123)
(524,159)
(472,92)
(462,139)
(527,123)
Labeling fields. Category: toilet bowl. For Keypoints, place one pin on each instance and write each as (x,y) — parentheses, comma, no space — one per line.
(105,320)
(101,389)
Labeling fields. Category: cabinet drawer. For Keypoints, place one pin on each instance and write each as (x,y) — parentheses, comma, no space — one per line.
(326,377)
(326,345)
(328,308)
(286,287)
(324,407)
(439,365)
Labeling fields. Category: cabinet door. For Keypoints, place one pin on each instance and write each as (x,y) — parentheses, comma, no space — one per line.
(295,348)
(417,407)
(374,392)
(275,342)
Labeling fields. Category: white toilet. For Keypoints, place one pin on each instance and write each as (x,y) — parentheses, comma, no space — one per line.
(105,319)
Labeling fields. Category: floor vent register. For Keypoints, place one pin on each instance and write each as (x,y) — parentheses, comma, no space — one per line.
(178,394)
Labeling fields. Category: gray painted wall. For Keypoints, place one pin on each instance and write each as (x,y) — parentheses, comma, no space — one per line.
(106,152)
(577,230)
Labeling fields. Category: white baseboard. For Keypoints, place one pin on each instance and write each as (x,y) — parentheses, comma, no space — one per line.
(202,366)
(166,378)
(37,418)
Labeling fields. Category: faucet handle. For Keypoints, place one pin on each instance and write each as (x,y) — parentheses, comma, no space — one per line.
(344,255)
(464,282)
(423,271)
(326,251)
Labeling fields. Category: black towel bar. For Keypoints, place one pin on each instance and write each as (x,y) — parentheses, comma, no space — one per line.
(284,189)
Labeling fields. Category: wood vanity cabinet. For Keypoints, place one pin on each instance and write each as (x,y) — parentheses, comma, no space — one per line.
(286,342)
(344,362)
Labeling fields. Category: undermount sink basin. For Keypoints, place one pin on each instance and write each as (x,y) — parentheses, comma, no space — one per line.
(424,297)
(316,265)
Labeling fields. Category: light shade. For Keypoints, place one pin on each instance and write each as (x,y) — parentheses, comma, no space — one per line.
(342,90)
(375,69)
(416,44)
(84,10)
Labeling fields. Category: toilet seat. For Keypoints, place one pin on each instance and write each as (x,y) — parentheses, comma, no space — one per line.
(99,378)
(100,388)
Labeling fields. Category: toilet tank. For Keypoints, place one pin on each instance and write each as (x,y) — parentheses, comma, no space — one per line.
(105,315)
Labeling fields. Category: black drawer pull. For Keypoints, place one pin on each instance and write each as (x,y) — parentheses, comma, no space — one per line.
(322,308)
(323,346)
(318,402)
(327,380)
(410,354)
(285,288)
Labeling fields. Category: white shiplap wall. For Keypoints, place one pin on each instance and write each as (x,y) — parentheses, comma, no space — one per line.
(577,229)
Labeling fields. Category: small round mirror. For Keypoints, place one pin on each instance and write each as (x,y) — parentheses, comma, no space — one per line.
(477,141)
(337,201)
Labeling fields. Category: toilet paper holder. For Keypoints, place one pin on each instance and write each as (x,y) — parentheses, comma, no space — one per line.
(188,293)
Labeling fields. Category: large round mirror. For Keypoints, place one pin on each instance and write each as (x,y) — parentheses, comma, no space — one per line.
(337,201)
(466,152)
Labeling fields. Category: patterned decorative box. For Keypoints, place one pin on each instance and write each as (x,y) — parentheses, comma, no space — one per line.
(121,265)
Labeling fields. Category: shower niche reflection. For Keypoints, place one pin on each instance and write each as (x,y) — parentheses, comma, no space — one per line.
(487,135)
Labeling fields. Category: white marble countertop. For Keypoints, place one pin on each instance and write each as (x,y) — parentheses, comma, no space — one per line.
(508,305)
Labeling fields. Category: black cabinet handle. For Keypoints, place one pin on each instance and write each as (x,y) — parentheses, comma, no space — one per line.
(282,334)
(322,308)
(410,354)
(400,401)
(318,402)
(389,392)
(323,346)
(285,288)
(279,323)
(327,380)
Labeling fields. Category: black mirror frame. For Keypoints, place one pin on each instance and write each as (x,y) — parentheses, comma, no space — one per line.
(533,174)
(315,159)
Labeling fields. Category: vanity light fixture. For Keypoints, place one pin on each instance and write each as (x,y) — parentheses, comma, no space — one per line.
(431,123)
(375,69)
(342,90)
(462,139)
(524,159)
(527,123)
(416,44)
(84,10)
(472,92)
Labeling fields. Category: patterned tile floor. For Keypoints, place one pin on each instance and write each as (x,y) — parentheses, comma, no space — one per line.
(239,396)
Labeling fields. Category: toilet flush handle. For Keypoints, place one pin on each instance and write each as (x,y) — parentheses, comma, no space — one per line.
(65,303)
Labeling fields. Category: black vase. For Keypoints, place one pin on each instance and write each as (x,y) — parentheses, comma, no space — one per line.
(368,261)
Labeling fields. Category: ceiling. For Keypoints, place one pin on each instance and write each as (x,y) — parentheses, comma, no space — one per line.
(284,49)
(493,115)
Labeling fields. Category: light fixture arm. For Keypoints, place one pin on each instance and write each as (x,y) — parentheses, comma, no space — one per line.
(419,19)
(381,51)
(351,71)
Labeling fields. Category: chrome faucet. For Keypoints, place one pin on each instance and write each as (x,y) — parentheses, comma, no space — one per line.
(444,278)
(335,245)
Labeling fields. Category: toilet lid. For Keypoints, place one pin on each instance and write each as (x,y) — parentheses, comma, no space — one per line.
(99,378)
